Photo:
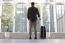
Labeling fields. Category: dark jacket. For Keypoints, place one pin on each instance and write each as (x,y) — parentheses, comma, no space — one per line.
(32,14)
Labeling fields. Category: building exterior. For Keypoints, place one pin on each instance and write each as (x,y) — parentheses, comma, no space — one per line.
(52,15)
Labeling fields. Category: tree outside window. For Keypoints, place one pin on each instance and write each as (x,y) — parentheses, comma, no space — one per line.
(7,13)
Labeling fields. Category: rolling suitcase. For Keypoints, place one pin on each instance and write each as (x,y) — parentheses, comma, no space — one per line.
(43,32)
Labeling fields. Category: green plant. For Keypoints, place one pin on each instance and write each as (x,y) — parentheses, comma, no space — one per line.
(7,12)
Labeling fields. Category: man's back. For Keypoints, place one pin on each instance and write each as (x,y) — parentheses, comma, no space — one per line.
(32,13)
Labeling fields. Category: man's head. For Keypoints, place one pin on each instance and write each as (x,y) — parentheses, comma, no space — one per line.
(32,3)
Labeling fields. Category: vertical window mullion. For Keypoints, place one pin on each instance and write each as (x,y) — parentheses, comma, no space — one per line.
(14,16)
(0,14)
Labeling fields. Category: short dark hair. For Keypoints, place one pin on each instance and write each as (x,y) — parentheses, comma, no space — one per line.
(32,3)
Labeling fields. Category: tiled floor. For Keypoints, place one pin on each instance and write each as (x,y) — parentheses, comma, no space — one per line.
(32,41)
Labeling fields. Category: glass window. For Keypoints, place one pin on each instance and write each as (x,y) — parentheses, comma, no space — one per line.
(21,7)
(60,17)
(7,0)
(59,1)
(21,18)
(51,0)
(6,20)
(46,19)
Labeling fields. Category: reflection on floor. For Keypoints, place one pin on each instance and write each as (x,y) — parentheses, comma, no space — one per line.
(32,41)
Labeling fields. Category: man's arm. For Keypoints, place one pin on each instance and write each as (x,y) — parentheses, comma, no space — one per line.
(38,13)
(28,13)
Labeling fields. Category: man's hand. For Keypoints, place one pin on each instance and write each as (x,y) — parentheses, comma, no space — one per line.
(38,21)
(39,18)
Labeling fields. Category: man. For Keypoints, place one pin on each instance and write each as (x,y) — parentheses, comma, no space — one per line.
(32,17)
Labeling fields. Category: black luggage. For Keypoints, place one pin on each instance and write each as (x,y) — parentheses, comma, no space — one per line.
(43,32)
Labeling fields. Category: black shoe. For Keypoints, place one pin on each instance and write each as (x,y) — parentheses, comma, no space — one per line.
(35,38)
(30,38)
